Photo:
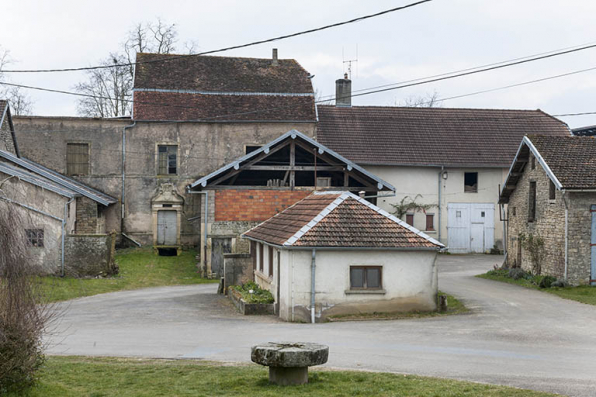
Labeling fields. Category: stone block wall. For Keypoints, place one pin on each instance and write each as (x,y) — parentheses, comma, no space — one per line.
(254,205)
(89,255)
(238,269)
(549,224)
(86,221)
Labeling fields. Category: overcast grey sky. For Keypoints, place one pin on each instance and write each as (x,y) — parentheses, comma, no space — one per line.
(436,37)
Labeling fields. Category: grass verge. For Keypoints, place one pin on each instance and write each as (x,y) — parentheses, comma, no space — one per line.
(98,377)
(454,306)
(139,268)
(583,293)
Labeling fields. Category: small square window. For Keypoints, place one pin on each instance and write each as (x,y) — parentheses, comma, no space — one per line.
(552,190)
(430,222)
(323,181)
(471,182)
(167,159)
(410,219)
(77,159)
(533,162)
(458,214)
(513,212)
(34,237)
(482,214)
(366,277)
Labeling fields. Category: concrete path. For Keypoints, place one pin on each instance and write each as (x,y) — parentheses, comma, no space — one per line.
(514,336)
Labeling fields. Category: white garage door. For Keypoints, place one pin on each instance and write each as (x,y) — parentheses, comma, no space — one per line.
(470,227)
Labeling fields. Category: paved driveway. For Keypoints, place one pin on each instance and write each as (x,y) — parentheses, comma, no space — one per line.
(514,337)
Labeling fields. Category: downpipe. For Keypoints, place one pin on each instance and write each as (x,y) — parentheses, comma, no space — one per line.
(312,286)
(123,193)
(206,214)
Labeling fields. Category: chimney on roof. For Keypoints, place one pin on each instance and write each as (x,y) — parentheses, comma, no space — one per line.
(343,92)
(274,58)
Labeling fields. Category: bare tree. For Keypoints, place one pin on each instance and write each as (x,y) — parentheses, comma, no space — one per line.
(22,319)
(426,101)
(110,89)
(20,102)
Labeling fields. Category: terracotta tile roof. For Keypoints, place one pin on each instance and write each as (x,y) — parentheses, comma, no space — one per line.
(431,136)
(571,159)
(182,106)
(339,220)
(188,87)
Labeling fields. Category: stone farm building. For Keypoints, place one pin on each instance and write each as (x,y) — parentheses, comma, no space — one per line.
(452,159)
(550,194)
(62,219)
(191,115)
(334,253)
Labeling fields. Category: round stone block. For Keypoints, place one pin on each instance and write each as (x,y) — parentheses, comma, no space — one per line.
(290,354)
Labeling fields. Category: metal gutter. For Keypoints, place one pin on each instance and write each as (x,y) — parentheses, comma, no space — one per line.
(123,193)
(290,247)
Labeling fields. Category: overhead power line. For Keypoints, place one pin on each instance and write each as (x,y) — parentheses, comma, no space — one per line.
(367,92)
(172,58)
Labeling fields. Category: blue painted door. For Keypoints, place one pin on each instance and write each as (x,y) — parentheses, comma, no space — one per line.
(593,246)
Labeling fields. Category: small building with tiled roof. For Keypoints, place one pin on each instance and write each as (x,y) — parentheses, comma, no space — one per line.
(334,253)
(550,193)
(448,158)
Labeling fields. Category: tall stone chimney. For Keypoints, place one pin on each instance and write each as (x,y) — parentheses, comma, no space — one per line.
(343,92)
(274,61)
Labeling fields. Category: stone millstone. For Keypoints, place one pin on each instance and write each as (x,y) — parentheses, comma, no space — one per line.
(290,355)
(288,362)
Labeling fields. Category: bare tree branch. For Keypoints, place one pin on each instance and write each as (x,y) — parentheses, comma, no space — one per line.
(427,101)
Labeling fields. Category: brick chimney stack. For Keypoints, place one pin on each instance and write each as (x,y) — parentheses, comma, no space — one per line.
(274,61)
(343,92)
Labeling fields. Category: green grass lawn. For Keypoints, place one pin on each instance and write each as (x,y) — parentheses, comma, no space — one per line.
(99,377)
(454,306)
(583,294)
(139,268)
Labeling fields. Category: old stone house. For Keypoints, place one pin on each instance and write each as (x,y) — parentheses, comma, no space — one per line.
(550,194)
(268,180)
(334,253)
(191,115)
(62,219)
(452,159)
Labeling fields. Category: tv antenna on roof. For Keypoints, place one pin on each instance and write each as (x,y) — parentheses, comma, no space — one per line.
(349,63)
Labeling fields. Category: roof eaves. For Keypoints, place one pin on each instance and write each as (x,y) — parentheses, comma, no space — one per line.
(4,168)
(542,162)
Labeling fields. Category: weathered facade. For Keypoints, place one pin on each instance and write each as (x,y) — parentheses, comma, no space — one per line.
(61,219)
(335,253)
(265,182)
(191,115)
(453,160)
(550,195)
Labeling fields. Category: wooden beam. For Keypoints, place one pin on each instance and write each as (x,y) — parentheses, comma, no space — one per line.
(295,168)
(292,164)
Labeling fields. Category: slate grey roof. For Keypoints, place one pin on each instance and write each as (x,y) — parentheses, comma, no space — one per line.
(292,134)
(585,131)
(339,220)
(55,178)
(391,135)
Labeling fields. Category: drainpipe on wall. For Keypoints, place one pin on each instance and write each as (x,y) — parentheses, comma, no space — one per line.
(64,235)
(439,203)
(312,286)
(123,193)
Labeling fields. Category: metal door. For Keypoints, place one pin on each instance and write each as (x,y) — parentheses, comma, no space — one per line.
(593,246)
(219,246)
(167,228)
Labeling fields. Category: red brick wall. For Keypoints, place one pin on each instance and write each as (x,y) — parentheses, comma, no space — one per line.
(254,205)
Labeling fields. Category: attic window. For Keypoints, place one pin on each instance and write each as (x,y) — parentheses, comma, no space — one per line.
(551,190)
(533,162)
(532,202)
(323,181)
(471,182)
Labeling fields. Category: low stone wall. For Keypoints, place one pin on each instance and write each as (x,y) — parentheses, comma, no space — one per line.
(238,269)
(89,255)
(249,308)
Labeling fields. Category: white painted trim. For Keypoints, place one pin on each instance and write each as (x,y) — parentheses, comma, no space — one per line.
(549,172)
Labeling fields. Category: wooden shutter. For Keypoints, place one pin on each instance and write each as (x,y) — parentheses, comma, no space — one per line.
(77,159)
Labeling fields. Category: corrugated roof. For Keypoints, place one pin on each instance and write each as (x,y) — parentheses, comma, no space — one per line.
(339,220)
(431,136)
(59,179)
(36,180)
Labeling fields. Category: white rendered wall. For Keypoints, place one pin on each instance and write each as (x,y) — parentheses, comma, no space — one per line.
(410,181)
(409,282)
